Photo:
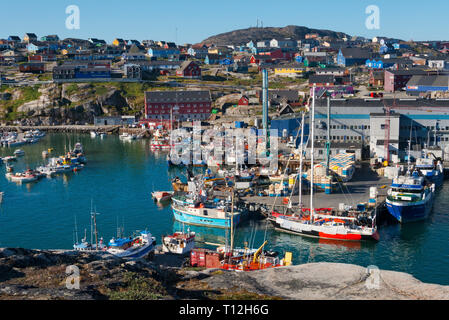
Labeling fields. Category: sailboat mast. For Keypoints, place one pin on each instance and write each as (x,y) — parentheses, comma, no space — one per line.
(328,141)
(301,160)
(312,158)
(96,234)
(232,221)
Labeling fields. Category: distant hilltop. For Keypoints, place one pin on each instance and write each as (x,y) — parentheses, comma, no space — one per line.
(243,36)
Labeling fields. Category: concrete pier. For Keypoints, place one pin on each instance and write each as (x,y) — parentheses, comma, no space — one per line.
(350,193)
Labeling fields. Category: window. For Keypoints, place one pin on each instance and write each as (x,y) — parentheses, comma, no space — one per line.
(382,126)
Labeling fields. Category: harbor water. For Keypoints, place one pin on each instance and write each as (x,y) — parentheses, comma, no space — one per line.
(118,180)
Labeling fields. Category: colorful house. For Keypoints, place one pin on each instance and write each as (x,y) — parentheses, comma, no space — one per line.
(189,69)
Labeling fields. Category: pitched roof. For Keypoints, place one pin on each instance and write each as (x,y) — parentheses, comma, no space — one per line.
(355,53)
(433,81)
(177,96)
(321,78)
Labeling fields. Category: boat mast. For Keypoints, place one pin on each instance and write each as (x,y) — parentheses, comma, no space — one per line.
(328,141)
(312,158)
(232,220)
(96,234)
(301,159)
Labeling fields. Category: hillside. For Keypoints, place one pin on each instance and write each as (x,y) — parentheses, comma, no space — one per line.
(243,36)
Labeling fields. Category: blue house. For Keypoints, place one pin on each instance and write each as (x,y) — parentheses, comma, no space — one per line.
(14,39)
(213,58)
(373,64)
(398,46)
(31,47)
(352,56)
(226,61)
(163,53)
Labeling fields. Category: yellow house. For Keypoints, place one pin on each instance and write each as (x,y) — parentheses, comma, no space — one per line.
(118,42)
(293,71)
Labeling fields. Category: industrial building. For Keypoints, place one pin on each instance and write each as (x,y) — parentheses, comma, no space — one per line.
(365,122)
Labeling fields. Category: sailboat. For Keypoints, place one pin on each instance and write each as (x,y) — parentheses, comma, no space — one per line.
(84,245)
(309,223)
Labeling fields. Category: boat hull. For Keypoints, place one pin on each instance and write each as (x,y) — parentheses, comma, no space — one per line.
(313,231)
(404,212)
(201,220)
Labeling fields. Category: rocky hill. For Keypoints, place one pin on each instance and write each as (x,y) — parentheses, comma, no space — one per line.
(56,104)
(243,36)
(42,275)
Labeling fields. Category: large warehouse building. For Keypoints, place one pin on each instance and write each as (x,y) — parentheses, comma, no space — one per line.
(364,121)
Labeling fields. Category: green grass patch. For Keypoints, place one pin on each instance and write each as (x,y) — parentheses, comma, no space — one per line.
(136,287)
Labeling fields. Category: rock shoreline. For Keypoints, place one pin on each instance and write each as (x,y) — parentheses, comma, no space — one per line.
(42,275)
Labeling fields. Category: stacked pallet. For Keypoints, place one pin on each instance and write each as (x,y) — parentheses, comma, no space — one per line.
(343,164)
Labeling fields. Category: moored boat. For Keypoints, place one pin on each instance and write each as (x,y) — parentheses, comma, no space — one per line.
(25,177)
(410,198)
(178,242)
(137,247)
(161,196)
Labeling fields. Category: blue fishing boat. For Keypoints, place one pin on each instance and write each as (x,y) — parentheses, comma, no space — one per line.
(196,208)
(410,198)
(132,247)
(212,214)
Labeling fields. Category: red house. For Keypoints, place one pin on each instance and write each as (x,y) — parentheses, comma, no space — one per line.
(279,54)
(259,59)
(244,101)
(178,105)
(189,69)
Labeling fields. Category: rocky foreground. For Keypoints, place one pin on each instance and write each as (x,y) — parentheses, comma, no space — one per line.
(46,275)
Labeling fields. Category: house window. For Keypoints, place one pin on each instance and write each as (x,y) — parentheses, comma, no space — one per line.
(382,127)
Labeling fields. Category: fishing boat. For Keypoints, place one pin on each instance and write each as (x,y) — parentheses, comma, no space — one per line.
(94,244)
(431,170)
(25,177)
(93,134)
(19,153)
(1,197)
(203,214)
(127,137)
(132,247)
(410,198)
(9,159)
(160,144)
(161,196)
(178,242)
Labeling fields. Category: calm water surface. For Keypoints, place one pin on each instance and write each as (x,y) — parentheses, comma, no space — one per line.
(118,180)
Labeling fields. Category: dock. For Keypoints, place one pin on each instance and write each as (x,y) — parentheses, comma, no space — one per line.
(350,193)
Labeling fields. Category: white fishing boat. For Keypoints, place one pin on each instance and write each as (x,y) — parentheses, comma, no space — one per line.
(127,137)
(137,247)
(25,177)
(179,242)
(19,153)
(161,196)
(93,134)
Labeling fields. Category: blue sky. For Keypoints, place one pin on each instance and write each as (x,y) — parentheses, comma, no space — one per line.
(195,20)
